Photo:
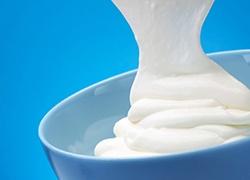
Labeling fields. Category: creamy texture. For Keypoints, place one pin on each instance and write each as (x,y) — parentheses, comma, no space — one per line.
(180,99)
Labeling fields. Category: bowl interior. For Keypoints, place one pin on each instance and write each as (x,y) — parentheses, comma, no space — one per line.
(237,63)
(78,123)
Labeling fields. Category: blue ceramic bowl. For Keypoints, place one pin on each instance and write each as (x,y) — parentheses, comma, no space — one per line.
(70,131)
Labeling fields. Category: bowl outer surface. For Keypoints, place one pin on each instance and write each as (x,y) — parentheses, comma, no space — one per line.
(58,131)
(229,163)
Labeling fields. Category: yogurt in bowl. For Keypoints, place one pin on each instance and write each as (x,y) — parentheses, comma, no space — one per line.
(180,100)
(175,79)
(71,130)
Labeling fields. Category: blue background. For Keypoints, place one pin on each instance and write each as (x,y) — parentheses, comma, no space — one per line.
(52,49)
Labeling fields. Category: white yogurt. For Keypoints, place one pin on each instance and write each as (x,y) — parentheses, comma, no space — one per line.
(180,99)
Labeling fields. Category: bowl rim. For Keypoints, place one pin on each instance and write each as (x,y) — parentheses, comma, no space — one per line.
(45,119)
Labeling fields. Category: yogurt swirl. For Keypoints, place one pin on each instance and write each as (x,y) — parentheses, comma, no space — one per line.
(180,99)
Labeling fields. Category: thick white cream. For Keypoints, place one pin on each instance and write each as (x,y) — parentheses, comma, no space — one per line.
(180,99)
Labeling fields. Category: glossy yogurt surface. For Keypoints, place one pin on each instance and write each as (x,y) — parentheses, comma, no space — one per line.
(180,100)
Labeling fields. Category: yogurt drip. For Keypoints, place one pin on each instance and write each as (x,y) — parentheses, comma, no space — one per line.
(180,99)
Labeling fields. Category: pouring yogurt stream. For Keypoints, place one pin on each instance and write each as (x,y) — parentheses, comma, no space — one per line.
(180,99)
